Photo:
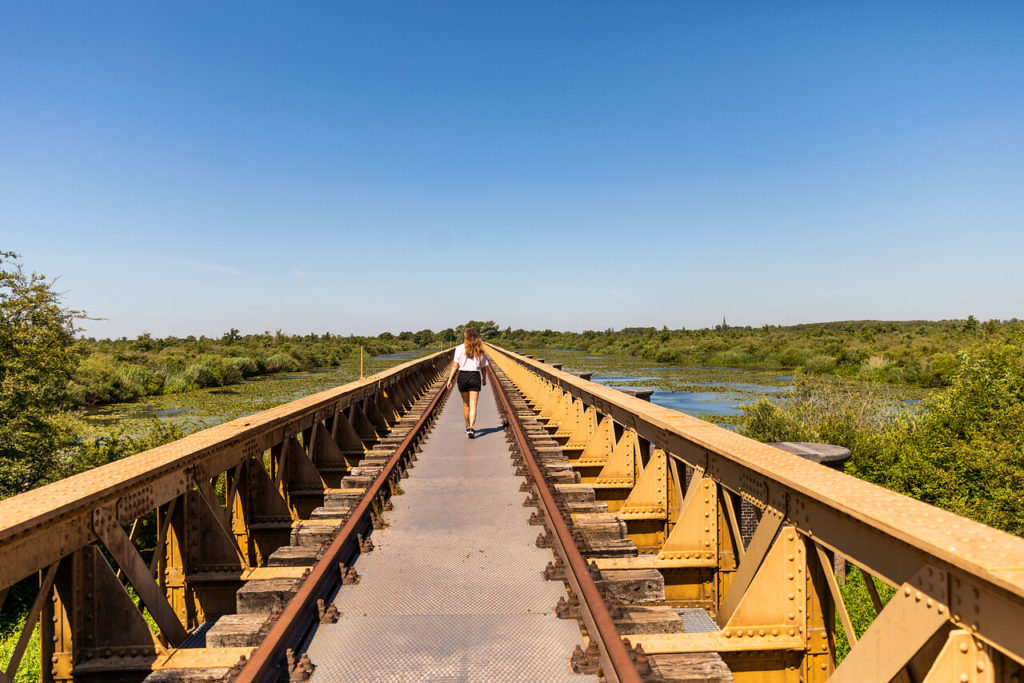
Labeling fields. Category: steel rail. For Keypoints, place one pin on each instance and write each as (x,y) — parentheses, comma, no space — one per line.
(297,618)
(602,627)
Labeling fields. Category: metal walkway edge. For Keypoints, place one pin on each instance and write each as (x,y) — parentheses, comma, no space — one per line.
(454,589)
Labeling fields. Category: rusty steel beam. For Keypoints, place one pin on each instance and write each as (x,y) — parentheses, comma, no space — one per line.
(885,532)
(198,559)
(299,615)
(882,532)
(600,625)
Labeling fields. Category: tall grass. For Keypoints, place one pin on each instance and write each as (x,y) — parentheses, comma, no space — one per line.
(29,671)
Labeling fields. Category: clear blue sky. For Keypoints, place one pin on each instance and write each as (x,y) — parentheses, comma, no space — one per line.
(189,167)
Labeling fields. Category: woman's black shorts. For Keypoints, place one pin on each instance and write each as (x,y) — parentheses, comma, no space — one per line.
(469,380)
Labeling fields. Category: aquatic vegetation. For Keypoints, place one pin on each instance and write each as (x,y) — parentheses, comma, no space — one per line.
(117,371)
(712,393)
(961,449)
(194,410)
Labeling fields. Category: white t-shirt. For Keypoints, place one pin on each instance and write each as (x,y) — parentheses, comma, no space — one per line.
(467,364)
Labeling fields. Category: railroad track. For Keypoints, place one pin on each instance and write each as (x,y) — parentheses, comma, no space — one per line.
(283,602)
(553,495)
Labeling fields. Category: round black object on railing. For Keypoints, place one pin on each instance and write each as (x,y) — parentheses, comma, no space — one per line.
(641,393)
(825,454)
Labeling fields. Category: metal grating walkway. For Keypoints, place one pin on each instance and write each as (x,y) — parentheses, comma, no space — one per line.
(453,590)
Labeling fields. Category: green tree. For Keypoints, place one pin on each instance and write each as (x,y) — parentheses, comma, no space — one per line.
(424,338)
(486,328)
(38,357)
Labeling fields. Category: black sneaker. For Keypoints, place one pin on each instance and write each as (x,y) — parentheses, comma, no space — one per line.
(470,433)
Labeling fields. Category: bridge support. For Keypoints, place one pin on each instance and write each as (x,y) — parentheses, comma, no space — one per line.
(778,609)
(219,502)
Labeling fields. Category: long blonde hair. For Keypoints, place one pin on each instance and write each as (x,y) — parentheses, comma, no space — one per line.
(474,347)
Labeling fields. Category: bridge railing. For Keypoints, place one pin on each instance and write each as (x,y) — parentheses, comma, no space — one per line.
(956,611)
(224,499)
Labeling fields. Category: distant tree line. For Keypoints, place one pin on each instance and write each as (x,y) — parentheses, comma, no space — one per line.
(117,370)
(920,353)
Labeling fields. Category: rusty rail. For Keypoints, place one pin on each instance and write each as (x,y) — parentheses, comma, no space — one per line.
(297,620)
(617,665)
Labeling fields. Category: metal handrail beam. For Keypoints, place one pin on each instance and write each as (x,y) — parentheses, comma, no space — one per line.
(889,534)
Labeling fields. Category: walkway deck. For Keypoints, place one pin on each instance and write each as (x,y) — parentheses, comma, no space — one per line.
(453,590)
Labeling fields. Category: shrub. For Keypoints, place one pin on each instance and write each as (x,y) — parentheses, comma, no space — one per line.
(962,450)
(668,356)
(282,362)
(134,381)
(205,372)
(249,367)
(102,379)
(118,444)
(178,384)
(730,358)
(94,382)
(768,422)
(819,364)
(792,358)
(212,372)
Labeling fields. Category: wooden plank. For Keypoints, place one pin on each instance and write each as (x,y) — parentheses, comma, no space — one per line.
(258,573)
(651,562)
(202,658)
(665,643)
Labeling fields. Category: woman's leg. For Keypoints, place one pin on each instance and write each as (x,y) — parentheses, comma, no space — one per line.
(473,396)
(465,406)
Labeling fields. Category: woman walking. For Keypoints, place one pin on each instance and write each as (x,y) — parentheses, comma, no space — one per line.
(469,362)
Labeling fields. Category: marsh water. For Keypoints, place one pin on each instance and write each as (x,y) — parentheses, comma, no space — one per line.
(715,394)
(711,393)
